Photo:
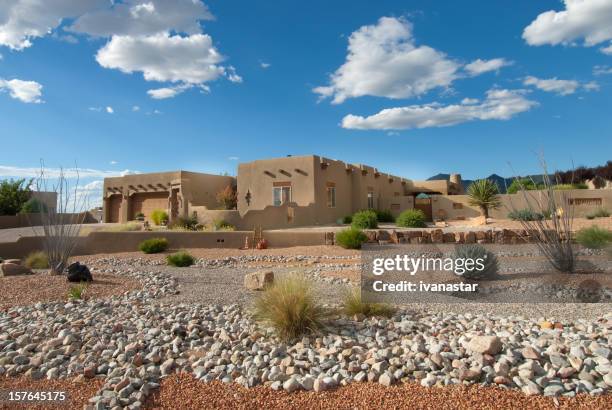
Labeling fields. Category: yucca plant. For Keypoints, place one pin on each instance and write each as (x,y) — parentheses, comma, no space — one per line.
(484,194)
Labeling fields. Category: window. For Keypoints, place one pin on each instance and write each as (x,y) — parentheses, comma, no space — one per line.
(371,200)
(331,196)
(281,195)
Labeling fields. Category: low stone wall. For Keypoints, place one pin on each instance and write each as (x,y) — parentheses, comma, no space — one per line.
(503,236)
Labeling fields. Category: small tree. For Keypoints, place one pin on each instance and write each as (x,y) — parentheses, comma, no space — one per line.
(227,198)
(484,194)
(525,183)
(13,195)
(33,206)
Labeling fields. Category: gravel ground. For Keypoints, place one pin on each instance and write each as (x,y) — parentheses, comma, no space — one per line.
(186,392)
(77,392)
(42,287)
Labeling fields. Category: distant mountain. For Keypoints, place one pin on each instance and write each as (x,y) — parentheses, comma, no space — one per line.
(502,183)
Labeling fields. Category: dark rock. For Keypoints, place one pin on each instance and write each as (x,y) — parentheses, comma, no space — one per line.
(78,273)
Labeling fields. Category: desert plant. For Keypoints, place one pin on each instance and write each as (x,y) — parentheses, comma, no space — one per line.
(411,218)
(561,187)
(352,304)
(524,215)
(347,220)
(127,227)
(189,223)
(365,220)
(77,291)
(33,206)
(290,307)
(180,259)
(484,194)
(227,198)
(384,216)
(473,252)
(351,238)
(13,195)
(37,260)
(221,225)
(598,213)
(159,217)
(594,237)
(153,245)
(552,236)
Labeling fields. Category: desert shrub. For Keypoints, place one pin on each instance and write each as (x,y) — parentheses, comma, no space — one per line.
(159,217)
(290,307)
(33,206)
(475,251)
(77,291)
(153,245)
(365,220)
(227,198)
(525,183)
(411,218)
(37,260)
(580,185)
(221,225)
(347,220)
(351,238)
(180,259)
(128,227)
(189,223)
(13,195)
(598,213)
(525,215)
(353,305)
(384,216)
(594,237)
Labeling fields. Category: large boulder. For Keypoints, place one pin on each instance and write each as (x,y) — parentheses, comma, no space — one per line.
(78,273)
(485,345)
(258,280)
(14,269)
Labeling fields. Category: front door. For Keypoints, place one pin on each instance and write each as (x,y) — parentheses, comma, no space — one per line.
(423,202)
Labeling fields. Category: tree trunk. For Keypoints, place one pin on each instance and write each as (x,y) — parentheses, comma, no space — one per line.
(485,211)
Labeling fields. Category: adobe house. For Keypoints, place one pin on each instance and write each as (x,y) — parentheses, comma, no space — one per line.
(289,191)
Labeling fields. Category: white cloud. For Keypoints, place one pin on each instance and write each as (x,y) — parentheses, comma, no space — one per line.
(143,18)
(135,108)
(25,91)
(187,60)
(498,105)
(561,87)
(264,65)
(479,66)
(582,20)
(607,50)
(113,162)
(383,60)
(21,21)
(109,110)
(602,70)
(33,172)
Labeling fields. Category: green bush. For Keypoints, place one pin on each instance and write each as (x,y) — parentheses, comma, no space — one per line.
(594,237)
(221,225)
(580,185)
(347,220)
(189,223)
(598,213)
(77,291)
(353,305)
(290,307)
(128,227)
(523,183)
(365,220)
(351,238)
(525,215)
(153,245)
(159,217)
(411,218)
(33,206)
(180,259)
(37,260)
(475,251)
(384,216)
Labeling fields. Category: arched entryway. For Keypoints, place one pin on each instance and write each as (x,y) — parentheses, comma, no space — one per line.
(422,201)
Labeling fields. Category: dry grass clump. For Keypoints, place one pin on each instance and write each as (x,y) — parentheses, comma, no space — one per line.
(291,308)
(37,260)
(352,304)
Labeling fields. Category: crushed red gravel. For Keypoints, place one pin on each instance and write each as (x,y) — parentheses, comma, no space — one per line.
(43,287)
(183,391)
(77,392)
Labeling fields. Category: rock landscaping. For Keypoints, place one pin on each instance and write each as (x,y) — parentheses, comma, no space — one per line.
(135,342)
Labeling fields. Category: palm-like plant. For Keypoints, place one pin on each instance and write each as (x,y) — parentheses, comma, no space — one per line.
(484,194)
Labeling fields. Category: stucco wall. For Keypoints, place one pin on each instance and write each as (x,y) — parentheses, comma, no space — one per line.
(201,189)
(24,220)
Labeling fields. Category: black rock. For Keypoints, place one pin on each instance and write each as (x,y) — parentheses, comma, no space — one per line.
(78,273)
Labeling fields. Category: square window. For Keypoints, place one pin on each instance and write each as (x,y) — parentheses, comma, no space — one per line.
(281,195)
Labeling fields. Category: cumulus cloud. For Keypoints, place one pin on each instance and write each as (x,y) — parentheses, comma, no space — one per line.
(602,70)
(383,60)
(167,92)
(498,105)
(25,91)
(586,22)
(264,65)
(561,87)
(143,18)
(479,66)
(109,110)
(135,108)
(607,50)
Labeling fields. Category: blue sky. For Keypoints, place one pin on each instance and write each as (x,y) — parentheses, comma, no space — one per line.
(413,88)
